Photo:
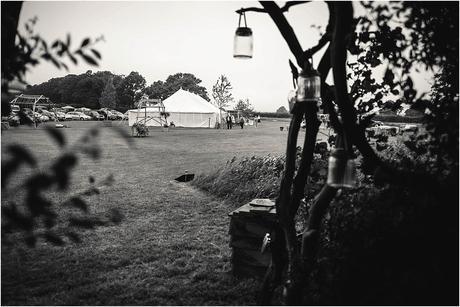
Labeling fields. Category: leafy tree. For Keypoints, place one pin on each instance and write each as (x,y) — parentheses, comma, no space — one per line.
(442,117)
(173,83)
(221,92)
(400,37)
(82,90)
(156,90)
(282,110)
(109,96)
(130,90)
(87,91)
(245,107)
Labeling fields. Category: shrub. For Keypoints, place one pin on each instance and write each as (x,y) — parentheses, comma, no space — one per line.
(241,180)
(141,129)
(381,244)
(392,244)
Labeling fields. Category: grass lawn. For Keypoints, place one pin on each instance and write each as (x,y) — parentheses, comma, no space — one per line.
(172,246)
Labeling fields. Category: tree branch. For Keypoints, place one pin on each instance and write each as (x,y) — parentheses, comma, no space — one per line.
(344,20)
(295,270)
(311,233)
(329,107)
(287,32)
(282,202)
(284,199)
(326,36)
(321,43)
(342,30)
(284,8)
(327,94)
(307,157)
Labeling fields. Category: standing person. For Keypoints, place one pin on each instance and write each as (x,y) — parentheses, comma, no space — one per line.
(232,120)
(242,122)
(228,119)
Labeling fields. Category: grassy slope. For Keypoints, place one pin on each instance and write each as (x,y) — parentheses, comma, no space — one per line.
(172,247)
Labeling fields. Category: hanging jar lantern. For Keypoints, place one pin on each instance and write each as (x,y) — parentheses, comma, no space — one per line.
(309,85)
(243,42)
(342,169)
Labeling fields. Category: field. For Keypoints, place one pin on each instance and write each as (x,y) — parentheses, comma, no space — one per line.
(172,246)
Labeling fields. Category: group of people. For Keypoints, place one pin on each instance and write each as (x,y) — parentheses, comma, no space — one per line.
(230,119)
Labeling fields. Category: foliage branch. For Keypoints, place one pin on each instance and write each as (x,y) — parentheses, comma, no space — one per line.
(36,216)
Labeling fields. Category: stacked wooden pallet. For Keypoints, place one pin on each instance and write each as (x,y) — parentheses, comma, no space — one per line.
(248,226)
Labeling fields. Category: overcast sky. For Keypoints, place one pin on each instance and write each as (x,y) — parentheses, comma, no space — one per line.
(158,39)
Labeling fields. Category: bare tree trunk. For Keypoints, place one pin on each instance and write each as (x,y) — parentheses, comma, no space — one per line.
(10,20)
(300,260)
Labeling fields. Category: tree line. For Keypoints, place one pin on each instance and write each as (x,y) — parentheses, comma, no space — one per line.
(104,89)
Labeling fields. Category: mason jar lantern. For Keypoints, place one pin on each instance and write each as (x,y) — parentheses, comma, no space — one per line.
(243,42)
(309,86)
(342,170)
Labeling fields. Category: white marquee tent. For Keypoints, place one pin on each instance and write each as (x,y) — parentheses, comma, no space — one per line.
(186,110)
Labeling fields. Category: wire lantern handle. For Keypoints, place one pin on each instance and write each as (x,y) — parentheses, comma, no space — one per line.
(239,20)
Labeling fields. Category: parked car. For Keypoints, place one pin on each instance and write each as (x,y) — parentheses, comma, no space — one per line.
(67,109)
(82,110)
(117,114)
(60,115)
(57,110)
(43,118)
(50,115)
(14,119)
(83,116)
(112,116)
(95,115)
(107,114)
(72,116)
(37,117)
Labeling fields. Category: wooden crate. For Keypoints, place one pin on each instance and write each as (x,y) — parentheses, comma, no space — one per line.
(248,226)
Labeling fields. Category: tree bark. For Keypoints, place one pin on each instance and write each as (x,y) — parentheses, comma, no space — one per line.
(10,19)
